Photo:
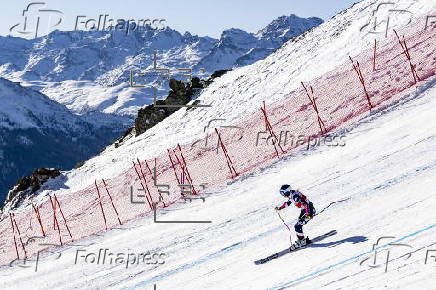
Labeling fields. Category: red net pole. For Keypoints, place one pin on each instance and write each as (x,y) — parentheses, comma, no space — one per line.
(148,167)
(38,216)
(145,181)
(180,180)
(173,166)
(21,241)
(186,170)
(356,68)
(269,128)
(55,219)
(13,234)
(407,54)
(101,205)
(112,202)
(229,161)
(143,187)
(62,213)
(312,99)
(182,174)
(19,236)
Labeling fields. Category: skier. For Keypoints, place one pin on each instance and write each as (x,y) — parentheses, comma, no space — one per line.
(307,212)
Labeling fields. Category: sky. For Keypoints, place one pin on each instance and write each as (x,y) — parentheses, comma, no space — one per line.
(199,17)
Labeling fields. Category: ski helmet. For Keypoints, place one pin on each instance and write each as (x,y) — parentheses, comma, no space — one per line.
(285,190)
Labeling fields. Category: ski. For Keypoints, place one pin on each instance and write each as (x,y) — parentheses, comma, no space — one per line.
(276,255)
(288,250)
(267,259)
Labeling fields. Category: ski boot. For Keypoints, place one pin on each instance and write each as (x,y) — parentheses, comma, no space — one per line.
(300,243)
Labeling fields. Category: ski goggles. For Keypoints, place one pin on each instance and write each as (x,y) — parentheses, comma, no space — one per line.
(285,192)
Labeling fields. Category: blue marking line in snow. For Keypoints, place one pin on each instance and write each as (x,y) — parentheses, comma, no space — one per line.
(289,283)
(225,250)
(204,259)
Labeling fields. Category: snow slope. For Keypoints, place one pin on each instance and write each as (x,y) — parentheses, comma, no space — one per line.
(341,105)
(240,93)
(380,149)
(386,169)
(24,108)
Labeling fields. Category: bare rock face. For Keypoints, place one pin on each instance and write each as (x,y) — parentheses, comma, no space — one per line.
(28,185)
(181,93)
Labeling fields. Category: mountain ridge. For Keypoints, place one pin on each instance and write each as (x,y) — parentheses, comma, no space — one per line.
(36,131)
(90,69)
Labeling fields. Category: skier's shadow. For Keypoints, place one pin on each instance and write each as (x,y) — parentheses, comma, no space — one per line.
(315,244)
(354,240)
(56,183)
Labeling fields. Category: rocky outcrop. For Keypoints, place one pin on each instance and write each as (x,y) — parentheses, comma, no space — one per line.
(28,185)
(181,93)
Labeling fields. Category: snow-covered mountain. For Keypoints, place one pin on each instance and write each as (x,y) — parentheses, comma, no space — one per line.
(36,131)
(99,56)
(91,70)
(89,73)
(238,48)
(378,189)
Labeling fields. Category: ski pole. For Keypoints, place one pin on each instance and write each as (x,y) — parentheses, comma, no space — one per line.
(283,221)
(290,235)
(333,202)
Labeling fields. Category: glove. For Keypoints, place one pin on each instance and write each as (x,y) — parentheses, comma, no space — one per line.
(278,208)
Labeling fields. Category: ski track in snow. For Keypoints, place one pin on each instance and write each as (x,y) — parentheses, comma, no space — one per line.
(314,274)
(416,104)
(387,168)
(387,183)
(80,210)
